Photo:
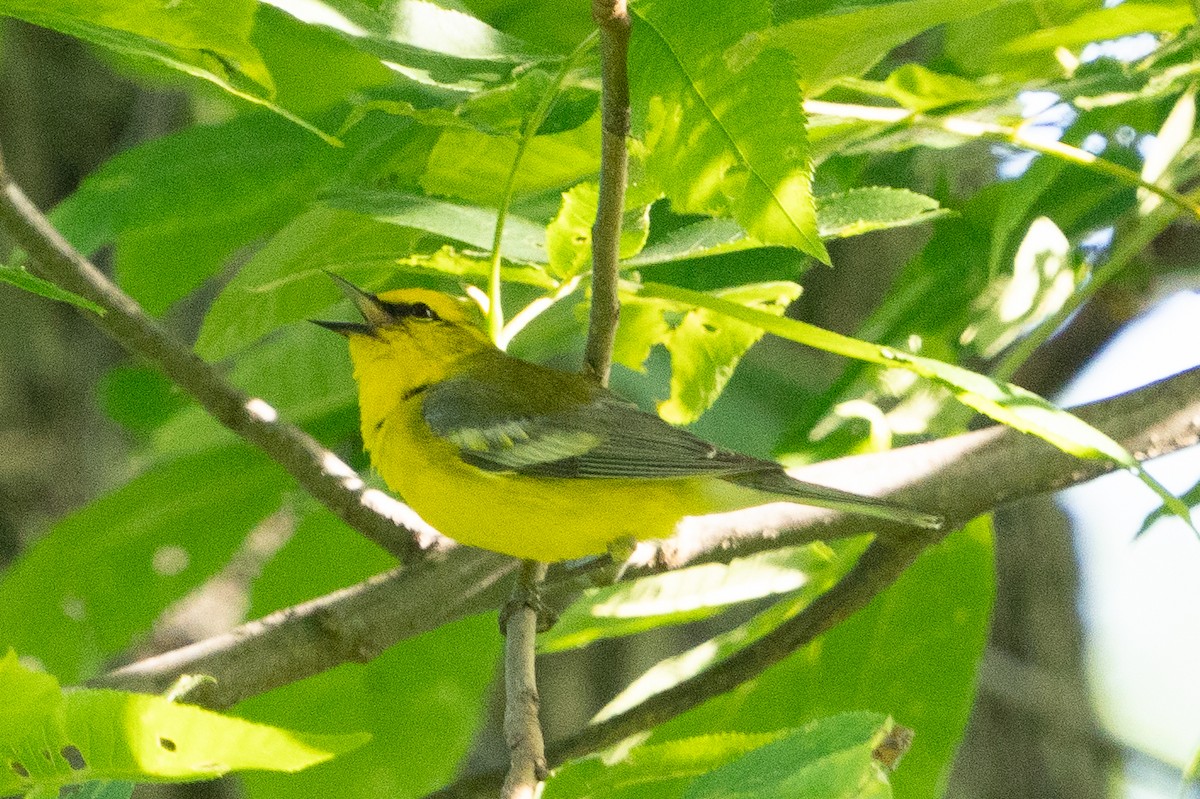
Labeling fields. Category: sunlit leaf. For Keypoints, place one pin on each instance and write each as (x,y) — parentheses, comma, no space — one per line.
(474,166)
(673,670)
(422,700)
(841,215)
(828,46)
(569,235)
(705,347)
(206,39)
(424,40)
(697,93)
(686,595)
(50,738)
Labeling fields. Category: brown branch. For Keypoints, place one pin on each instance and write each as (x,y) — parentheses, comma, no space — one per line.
(963,475)
(355,624)
(612,18)
(388,523)
(522,729)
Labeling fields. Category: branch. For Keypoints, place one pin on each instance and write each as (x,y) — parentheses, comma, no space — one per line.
(388,523)
(522,730)
(354,624)
(612,17)
(961,476)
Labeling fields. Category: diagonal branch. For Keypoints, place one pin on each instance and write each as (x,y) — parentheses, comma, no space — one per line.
(388,523)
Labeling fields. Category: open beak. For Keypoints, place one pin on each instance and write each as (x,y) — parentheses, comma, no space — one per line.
(372,310)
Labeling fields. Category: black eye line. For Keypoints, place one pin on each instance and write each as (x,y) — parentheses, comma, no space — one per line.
(411,310)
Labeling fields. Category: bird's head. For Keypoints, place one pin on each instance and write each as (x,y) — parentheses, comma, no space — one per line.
(408,338)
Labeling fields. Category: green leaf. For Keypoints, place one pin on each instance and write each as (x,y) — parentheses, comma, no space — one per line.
(285,281)
(850,213)
(178,206)
(684,595)
(698,109)
(665,769)
(705,347)
(427,42)
(219,29)
(101,789)
(523,239)
(1190,498)
(569,236)
(661,770)
(17,276)
(475,167)
(920,89)
(831,757)
(206,39)
(1043,278)
(50,739)
(871,208)
(670,671)
(830,46)
(107,571)
(912,654)
(1004,402)
(1133,16)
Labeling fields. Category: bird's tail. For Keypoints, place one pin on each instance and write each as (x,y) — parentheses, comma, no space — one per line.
(778,482)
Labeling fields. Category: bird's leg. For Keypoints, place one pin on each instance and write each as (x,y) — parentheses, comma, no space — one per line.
(620,550)
(527,593)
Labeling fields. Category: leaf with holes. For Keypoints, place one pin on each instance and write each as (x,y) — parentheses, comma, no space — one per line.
(50,738)
(705,347)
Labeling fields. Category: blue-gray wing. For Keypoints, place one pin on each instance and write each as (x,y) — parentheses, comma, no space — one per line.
(566,430)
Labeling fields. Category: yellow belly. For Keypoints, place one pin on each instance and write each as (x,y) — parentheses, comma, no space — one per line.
(541,518)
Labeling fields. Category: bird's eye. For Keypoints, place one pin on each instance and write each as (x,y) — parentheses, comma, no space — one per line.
(420,310)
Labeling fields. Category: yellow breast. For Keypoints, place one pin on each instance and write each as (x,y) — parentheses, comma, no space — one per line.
(541,518)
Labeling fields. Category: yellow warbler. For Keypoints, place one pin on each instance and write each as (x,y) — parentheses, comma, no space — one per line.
(510,456)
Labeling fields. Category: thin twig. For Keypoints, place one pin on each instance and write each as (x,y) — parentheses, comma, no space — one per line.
(392,525)
(522,728)
(612,18)
(961,476)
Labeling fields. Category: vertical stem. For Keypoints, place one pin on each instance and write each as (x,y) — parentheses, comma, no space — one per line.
(612,18)
(495,314)
(522,728)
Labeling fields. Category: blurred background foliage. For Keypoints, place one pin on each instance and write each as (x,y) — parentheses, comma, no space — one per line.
(216,167)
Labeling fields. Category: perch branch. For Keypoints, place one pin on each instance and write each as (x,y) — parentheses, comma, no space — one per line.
(522,728)
(962,476)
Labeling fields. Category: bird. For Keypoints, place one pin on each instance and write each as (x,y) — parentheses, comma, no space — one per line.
(534,462)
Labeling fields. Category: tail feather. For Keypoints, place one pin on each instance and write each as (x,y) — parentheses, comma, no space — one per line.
(778,482)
